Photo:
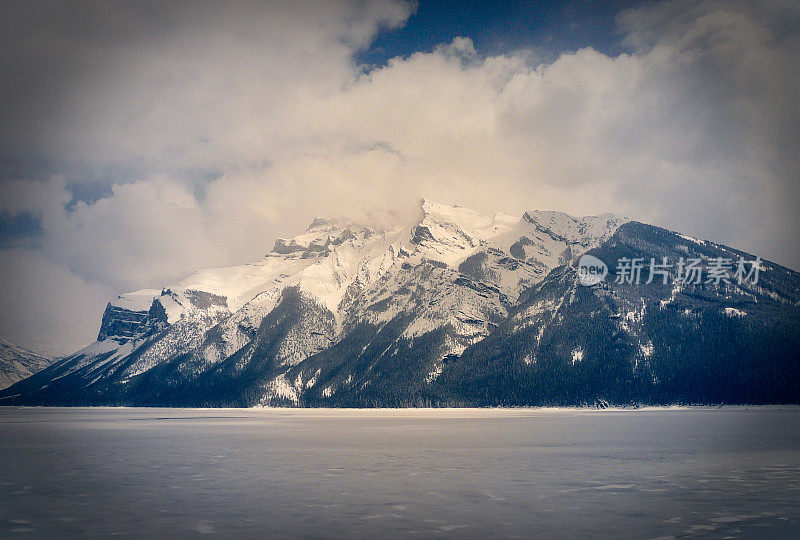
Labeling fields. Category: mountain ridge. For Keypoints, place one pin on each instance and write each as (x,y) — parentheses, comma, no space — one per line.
(346,314)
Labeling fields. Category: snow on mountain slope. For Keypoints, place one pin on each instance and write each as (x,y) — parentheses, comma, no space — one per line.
(521,253)
(449,234)
(331,256)
(583,231)
(137,300)
(17,363)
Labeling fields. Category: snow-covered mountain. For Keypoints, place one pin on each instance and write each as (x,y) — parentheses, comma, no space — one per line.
(348,314)
(17,363)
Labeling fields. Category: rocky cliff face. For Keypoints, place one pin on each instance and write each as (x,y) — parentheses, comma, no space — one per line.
(459,308)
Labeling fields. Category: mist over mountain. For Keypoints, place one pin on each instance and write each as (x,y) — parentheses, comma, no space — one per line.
(458,309)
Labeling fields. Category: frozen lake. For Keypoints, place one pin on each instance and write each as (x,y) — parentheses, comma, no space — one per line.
(685,473)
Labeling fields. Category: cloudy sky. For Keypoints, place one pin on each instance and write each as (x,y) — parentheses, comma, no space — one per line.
(143,140)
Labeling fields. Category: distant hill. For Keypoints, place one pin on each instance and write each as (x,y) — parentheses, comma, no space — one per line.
(17,363)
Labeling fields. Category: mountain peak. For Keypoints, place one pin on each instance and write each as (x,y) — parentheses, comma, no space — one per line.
(576,229)
(320,222)
(470,221)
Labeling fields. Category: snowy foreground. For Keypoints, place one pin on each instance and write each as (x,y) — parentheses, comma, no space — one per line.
(466,473)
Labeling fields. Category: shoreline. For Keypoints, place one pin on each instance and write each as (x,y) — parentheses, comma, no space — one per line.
(393,411)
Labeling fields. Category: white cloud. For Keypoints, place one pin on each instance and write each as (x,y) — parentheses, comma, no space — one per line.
(264,113)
